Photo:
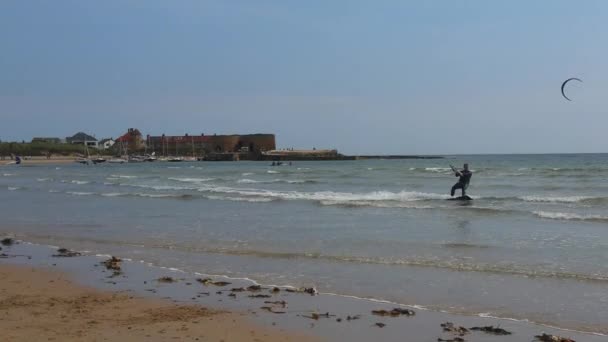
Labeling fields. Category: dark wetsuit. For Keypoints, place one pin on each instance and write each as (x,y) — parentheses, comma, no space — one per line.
(463,182)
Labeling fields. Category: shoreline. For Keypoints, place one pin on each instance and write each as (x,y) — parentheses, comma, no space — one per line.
(296,314)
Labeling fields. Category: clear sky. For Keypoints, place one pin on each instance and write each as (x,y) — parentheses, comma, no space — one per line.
(436,77)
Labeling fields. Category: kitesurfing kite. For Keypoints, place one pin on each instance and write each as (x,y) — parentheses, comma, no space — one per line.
(564,84)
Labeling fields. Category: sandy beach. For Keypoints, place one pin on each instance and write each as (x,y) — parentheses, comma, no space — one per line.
(81,297)
(37,305)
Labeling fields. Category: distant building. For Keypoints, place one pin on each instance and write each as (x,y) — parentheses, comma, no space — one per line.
(46,140)
(81,138)
(210,144)
(105,144)
(132,140)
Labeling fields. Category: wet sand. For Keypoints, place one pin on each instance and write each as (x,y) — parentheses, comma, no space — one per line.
(80,299)
(37,305)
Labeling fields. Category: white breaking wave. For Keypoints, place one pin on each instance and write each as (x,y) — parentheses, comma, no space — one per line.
(8,174)
(42,179)
(555,199)
(403,196)
(13,188)
(247,174)
(79,182)
(123,176)
(247,181)
(569,216)
(191,180)
(78,193)
(379,204)
(292,181)
(112,194)
(272,171)
(437,169)
(161,187)
(240,199)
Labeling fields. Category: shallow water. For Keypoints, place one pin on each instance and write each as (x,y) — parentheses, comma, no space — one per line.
(532,245)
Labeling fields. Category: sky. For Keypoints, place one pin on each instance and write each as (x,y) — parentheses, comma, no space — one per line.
(365,77)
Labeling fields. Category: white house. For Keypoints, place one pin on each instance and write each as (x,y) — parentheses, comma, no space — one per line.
(105,144)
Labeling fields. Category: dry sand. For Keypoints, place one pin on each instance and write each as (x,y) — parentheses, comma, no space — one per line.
(39,305)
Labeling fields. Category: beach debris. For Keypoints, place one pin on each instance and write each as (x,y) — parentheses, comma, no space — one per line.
(112,264)
(394,312)
(65,253)
(270,309)
(455,339)
(277,302)
(316,316)
(490,329)
(310,290)
(254,288)
(166,279)
(209,281)
(552,338)
(237,289)
(260,296)
(352,318)
(380,325)
(7,241)
(275,290)
(458,330)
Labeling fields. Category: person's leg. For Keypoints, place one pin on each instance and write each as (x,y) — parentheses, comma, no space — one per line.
(456,186)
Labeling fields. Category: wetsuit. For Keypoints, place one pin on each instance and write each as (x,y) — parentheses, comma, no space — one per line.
(463,182)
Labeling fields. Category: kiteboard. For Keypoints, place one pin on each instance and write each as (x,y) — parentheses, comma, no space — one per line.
(461,198)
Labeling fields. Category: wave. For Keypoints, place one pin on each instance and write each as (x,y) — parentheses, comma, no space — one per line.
(13,188)
(79,193)
(438,169)
(403,196)
(288,181)
(239,199)
(565,199)
(112,194)
(9,174)
(570,216)
(161,187)
(123,176)
(191,180)
(377,204)
(247,173)
(43,179)
(79,182)
(247,181)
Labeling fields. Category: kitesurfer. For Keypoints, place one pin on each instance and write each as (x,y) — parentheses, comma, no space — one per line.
(463,182)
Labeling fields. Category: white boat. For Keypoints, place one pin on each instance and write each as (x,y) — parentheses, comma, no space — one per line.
(118,161)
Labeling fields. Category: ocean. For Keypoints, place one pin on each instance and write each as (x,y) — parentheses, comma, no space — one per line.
(532,245)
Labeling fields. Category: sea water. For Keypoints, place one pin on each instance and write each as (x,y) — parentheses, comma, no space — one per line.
(532,245)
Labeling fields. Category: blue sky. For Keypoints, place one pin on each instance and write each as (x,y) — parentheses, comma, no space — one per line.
(425,77)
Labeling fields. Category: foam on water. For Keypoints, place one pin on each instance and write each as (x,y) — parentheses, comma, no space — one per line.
(191,180)
(570,216)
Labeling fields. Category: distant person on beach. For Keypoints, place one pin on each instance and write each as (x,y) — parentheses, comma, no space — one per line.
(463,181)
